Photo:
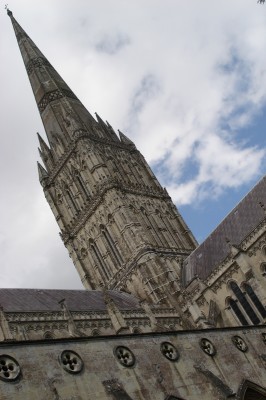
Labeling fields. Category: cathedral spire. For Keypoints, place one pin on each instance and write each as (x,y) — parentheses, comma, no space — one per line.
(117,222)
(64,116)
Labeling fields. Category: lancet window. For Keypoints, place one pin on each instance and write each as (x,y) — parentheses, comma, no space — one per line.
(99,259)
(255,300)
(167,226)
(71,200)
(151,225)
(111,245)
(82,185)
(244,303)
(234,306)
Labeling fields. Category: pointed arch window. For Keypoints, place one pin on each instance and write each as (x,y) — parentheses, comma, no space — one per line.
(99,259)
(82,185)
(111,245)
(167,226)
(234,306)
(71,200)
(251,391)
(151,225)
(244,303)
(255,300)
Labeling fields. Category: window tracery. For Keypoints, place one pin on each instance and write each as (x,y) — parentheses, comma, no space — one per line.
(208,347)
(234,306)
(9,368)
(255,300)
(125,356)
(169,351)
(240,343)
(110,244)
(98,258)
(243,301)
(71,361)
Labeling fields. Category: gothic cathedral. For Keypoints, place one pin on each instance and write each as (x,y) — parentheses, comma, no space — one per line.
(161,317)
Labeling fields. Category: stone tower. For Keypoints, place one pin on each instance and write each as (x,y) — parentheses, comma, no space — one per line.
(119,225)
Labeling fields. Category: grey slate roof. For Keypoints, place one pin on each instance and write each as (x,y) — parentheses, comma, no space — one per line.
(25,300)
(238,224)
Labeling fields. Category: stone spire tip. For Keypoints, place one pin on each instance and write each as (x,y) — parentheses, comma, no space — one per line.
(9,13)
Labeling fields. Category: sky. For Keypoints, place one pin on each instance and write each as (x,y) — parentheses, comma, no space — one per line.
(185,80)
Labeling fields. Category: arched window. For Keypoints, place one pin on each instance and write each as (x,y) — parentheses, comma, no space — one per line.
(255,300)
(244,303)
(111,245)
(99,259)
(151,225)
(251,391)
(234,306)
(71,200)
(167,227)
(82,185)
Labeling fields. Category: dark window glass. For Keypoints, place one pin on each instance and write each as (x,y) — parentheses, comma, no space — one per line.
(245,304)
(99,258)
(233,304)
(255,300)
(72,200)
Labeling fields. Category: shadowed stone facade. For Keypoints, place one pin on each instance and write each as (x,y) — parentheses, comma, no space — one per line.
(204,364)
(161,317)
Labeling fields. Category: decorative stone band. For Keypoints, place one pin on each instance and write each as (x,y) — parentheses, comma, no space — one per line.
(55,95)
(37,62)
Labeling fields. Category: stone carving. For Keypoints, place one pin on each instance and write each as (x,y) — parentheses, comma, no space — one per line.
(37,62)
(221,386)
(114,388)
(71,361)
(240,343)
(51,384)
(207,347)
(124,356)
(169,351)
(9,368)
(214,313)
(54,95)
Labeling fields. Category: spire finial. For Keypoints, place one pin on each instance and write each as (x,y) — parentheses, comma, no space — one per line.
(9,13)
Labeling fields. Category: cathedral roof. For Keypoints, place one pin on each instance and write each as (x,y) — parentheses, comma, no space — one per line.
(26,300)
(236,226)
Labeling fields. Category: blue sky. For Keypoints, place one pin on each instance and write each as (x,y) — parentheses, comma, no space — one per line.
(186,81)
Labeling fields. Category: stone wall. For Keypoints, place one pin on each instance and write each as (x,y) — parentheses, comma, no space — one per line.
(203,364)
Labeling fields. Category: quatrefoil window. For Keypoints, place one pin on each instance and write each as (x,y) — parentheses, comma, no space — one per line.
(9,368)
(240,343)
(124,356)
(169,351)
(207,347)
(71,361)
